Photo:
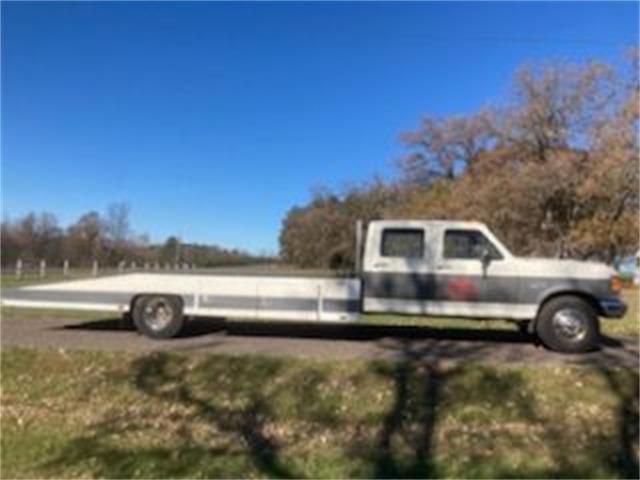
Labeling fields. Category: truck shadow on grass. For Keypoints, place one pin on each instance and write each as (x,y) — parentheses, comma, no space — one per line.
(219,328)
(331,331)
(235,417)
(192,328)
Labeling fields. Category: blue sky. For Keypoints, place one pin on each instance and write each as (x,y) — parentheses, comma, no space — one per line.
(213,119)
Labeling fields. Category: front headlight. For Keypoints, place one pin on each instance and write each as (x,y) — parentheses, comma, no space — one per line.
(615,283)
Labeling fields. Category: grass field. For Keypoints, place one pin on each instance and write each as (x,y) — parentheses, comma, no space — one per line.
(90,415)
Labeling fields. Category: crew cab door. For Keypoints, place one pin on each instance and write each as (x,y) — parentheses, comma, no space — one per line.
(474,277)
(398,268)
(435,270)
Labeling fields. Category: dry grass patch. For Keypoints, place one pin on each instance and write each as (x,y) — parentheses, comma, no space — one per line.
(81,414)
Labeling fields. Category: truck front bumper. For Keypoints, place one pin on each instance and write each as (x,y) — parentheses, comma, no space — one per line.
(612,307)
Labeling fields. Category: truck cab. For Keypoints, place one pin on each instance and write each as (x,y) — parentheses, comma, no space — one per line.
(461,269)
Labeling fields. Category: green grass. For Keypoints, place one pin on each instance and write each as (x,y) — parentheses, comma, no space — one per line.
(107,415)
(630,323)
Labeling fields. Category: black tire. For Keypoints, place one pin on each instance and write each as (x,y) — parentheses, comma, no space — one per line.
(158,316)
(568,324)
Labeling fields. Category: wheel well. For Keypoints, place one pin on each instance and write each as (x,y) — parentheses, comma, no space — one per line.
(590,299)
(137,296)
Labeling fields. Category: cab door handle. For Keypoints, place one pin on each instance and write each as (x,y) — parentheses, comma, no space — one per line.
(443,267)
(380,265)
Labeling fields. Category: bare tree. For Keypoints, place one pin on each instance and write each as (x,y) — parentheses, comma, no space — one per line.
(117,232)
(116,223)
(170,251)
(85,239)
(33,237)
(554,106)
(563,177)
(445,146)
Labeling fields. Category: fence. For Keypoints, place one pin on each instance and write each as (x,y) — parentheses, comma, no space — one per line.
(23,270)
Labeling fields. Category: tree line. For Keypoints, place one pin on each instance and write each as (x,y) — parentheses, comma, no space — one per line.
(107,238)
(553,169)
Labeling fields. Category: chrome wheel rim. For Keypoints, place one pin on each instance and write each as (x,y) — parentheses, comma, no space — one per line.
(157,314)
(570,324)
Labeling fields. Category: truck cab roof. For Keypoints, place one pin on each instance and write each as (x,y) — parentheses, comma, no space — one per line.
(426,223)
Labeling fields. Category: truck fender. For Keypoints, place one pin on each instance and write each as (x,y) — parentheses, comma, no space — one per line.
(561,290)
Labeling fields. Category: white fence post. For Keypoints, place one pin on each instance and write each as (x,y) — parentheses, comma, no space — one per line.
(121,267)
(94,268)
(19,268)
(65,268)
(43,268)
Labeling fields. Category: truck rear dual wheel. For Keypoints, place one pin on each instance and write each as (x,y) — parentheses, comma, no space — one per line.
(158,316)
(568,324)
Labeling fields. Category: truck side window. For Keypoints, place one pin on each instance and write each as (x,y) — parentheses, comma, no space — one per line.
(468,244)
(405,243)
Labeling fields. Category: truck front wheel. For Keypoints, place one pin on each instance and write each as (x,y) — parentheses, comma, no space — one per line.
(568,324)
(158,316)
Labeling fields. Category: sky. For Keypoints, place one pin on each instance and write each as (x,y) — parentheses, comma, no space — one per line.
(211,120)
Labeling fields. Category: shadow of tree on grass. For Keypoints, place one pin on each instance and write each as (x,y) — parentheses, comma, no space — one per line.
(161,377)
(625,385)
(154,374)
(222,416)
(404,447)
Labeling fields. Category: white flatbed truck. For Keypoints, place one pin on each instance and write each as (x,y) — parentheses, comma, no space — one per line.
(443,268)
